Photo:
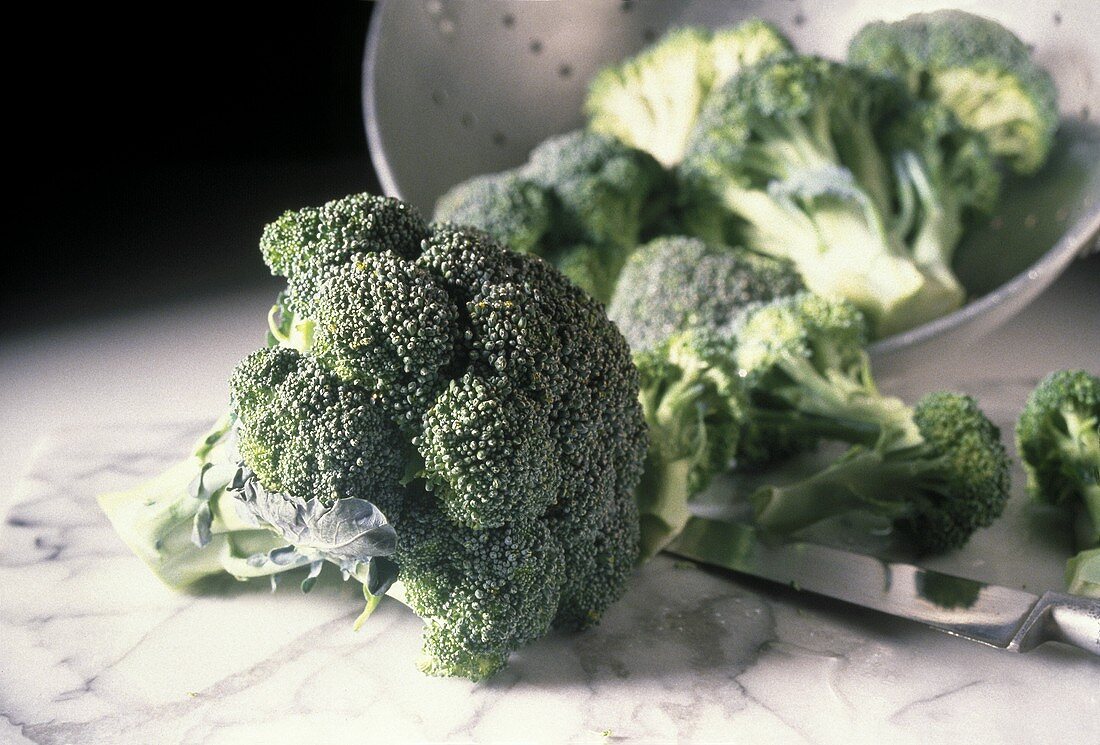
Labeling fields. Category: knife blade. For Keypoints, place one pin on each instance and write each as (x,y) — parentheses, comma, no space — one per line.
(998,616)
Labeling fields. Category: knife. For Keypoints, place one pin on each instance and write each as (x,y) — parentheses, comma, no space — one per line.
(1001,617)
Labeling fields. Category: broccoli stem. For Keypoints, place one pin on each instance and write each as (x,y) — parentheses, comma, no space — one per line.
(861,480)
(1082,447)
(662,498)
(156,520)
(849,407)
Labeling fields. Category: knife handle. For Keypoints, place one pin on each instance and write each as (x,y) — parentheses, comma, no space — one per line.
(1058,617)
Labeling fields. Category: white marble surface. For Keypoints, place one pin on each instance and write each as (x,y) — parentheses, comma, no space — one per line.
(94,650)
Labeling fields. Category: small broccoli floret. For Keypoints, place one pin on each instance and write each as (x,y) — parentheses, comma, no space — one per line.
(975,67)
(305,432)
(936,493)
(804,364)
(1058,438)
(675,283)
(594,269)
(692,404)
(651,101)
(787,160)
(609,193)
(516,211)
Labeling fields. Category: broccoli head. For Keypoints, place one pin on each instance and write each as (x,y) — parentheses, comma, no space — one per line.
(788,160)
(444,419)
(651,101)
(975,67)
(1058,438)
(675,283)
(936,493)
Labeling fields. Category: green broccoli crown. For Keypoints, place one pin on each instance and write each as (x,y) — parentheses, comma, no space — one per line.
(978,69)
(485,400)
(693,404)
(651,101)
(306,432)
(966,476)
(937,492)
(1058,438)
(516,211)
(609,193)
(675,283)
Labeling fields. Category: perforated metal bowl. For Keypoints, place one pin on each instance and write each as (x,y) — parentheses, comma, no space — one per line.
(454,89)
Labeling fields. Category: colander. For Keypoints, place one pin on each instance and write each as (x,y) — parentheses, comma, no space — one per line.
(456,88)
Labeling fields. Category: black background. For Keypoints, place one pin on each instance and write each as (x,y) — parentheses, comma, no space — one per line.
(152,145)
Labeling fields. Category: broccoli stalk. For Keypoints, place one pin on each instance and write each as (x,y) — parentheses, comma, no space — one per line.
(937,493)
(808,377)
(691,402)
(182,524)
(1058,438)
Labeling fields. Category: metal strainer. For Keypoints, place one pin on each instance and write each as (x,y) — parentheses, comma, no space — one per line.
(456,88)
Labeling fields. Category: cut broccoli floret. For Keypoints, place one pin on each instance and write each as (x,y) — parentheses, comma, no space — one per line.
(975,67)
(675,283)
(442,418)
(1058,438)
(651,101)
(787,160)
(804,365)
(936,493)
(692,403)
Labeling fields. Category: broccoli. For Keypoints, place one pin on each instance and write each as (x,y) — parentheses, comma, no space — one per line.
(675,283)
(975,67)
(583,201)
(803,362)
(516,211)
(651,101)
(788,160)
(936,493)
(1058,439)
(444,419)
(693,405)
(610,194)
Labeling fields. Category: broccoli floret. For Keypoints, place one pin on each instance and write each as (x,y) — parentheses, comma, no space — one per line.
(516,211)
(675,283)
(1058,438)
(583,202)
(936,493)
(651,101)
(787,160)
(803,362)
(609,193)
(978,69)
(693,406)
(445,420)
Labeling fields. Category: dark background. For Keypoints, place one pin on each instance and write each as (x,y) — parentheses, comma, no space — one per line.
(152,148)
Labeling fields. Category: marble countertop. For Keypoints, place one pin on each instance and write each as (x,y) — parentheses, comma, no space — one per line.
(95,650)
